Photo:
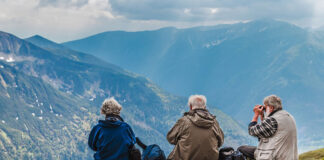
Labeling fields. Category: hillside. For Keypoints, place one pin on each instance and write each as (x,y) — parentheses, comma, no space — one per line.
(313,155)
(49,101)
(235,65)
(39,122)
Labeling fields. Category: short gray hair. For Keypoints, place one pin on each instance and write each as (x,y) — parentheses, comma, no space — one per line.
(197,101)
(274,101)
(110,106)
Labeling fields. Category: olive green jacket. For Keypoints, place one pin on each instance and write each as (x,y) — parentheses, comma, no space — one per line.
(196,136)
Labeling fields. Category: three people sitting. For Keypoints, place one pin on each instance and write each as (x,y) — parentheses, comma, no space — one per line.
(197,134)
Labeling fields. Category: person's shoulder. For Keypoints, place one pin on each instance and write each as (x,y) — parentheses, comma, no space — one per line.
(184,119)
(97,126)
(125,125)
(269,120)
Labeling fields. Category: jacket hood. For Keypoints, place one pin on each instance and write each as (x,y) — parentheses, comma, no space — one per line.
(110,122)
(201,118)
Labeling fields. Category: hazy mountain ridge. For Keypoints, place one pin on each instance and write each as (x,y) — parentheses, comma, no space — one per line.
(166,98)
(57,97)
(36,119)
(63,51)
(235,65)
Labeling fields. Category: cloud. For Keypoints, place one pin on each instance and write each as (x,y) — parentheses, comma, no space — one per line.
(64,20)
(55,19)
(227,10)
(62,3)
(317,19)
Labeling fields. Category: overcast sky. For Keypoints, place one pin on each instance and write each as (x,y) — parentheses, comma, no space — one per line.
(64,20)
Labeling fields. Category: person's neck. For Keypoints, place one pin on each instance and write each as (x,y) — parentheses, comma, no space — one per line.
(196,109)
(114,116)
(273,112)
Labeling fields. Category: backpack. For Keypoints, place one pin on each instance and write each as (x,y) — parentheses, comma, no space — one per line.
(237,155)
(151,152)
(228,153)
(134,153)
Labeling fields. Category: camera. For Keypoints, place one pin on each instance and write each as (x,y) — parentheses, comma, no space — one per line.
(263,108)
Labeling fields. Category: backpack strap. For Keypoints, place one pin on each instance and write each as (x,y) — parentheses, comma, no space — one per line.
(140,143)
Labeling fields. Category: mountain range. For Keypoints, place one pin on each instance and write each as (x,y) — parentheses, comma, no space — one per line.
(51,96)
(235,65)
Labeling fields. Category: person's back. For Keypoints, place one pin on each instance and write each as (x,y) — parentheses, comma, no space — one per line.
(196,136)
(284,141)
(277,132)
(111,138)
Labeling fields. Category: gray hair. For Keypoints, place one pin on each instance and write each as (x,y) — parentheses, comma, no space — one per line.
(197,101)
(111,106)
(274,101)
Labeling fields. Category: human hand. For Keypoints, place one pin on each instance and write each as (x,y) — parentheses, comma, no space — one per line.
(257,112)
(258,109)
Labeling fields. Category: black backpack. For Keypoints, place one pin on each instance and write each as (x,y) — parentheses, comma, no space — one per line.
(134,153)
(228,153)
(151,152)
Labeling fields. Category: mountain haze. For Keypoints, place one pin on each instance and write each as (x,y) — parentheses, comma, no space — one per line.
(51,96)
(235,65)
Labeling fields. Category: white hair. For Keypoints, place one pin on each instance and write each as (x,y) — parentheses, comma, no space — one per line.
(197,101)
(274,101)
(110,106)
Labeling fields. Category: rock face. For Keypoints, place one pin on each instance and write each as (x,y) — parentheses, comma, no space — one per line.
(50,97)
(236,66)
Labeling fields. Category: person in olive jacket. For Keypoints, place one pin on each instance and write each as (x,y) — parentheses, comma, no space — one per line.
(197,135)
(111,138)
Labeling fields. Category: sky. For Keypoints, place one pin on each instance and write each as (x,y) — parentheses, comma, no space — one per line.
(65,20)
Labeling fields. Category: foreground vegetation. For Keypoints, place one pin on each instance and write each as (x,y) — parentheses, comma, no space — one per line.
(313,155)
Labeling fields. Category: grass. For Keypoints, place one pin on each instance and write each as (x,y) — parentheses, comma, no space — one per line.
(313,155)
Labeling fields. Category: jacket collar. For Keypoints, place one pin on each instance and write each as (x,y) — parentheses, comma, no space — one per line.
(200,118)
(272,113)
(113,117)
(197,110)
(191,112)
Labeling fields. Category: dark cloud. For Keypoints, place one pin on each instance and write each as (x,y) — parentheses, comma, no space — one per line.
(199,10)
(62,3)
(64,20)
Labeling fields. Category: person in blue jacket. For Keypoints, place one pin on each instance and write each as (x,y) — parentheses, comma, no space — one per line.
(111,138)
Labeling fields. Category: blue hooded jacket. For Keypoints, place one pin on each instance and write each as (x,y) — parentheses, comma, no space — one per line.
(111,139)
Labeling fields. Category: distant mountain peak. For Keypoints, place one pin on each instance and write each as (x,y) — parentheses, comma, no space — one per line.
(6,35)
(266,20)
(37,37)
(9,43)
(3,33)
(168,28)
(44,42)
(273,22)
